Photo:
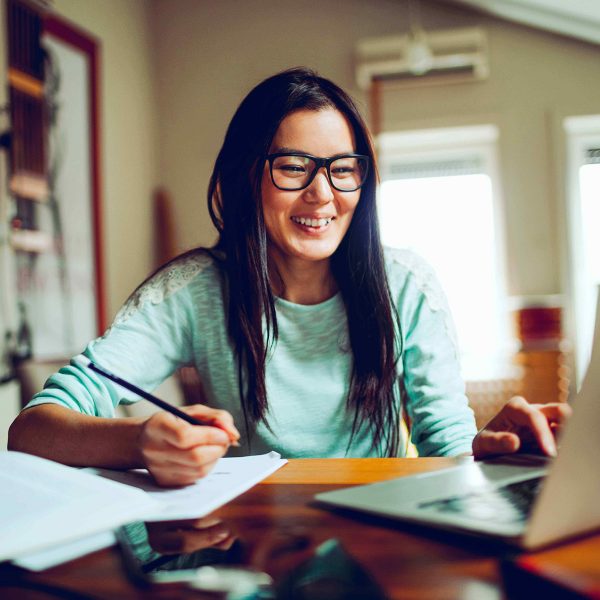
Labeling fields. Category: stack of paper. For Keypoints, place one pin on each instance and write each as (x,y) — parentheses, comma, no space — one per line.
(44,504)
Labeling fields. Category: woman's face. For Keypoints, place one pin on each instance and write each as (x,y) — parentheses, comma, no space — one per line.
(289,215)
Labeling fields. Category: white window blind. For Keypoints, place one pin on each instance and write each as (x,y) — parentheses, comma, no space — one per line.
(593,156)
(438,168)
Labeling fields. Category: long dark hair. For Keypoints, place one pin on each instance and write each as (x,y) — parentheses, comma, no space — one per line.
(235,206)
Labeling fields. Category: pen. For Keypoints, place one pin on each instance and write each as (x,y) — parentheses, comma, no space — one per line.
(86,362)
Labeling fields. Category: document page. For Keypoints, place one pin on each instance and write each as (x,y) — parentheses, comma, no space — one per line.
(230,478)
(43,503)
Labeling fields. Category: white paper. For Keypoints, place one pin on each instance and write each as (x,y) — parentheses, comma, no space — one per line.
(230,478)
(51,513)
(44,503)
(65,552)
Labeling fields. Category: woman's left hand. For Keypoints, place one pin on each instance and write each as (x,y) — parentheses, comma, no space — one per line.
(522,426)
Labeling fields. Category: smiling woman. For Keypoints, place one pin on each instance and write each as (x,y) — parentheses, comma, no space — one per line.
(306,213)
(301,327)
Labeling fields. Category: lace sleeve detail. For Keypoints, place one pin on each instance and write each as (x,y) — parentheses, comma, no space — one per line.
(428,284)
(165,283)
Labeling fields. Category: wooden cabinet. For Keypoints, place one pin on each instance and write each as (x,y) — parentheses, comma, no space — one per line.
(545,375)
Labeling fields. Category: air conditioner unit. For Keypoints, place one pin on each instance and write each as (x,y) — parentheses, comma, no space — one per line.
(423,57)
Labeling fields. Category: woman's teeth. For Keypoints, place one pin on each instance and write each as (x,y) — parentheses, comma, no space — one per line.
(312,222)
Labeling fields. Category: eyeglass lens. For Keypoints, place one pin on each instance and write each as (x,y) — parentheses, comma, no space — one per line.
(346,173)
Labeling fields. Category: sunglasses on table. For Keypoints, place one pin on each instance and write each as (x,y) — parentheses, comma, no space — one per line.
(292,171)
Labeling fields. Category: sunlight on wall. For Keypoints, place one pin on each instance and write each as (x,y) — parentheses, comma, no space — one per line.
(589,178)
(449,221)
(589,184)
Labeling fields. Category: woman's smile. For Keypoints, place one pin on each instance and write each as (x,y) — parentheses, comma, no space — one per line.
(313,223)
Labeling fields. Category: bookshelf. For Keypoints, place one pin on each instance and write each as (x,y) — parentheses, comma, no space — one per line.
(52,212)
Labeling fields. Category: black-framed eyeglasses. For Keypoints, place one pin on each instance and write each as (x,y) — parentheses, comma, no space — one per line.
(292,171)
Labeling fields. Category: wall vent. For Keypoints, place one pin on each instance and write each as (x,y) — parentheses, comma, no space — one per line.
(420,57)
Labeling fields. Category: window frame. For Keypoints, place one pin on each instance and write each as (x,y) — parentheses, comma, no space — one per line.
(462,142)
(582,133)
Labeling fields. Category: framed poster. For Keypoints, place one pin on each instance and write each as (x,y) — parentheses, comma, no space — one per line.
(62,289)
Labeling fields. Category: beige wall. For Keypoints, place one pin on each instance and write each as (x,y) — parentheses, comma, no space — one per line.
(173,72)
(537,79)
(128,125)
(209,54)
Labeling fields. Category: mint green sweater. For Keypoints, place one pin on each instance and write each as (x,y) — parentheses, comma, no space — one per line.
(178,318)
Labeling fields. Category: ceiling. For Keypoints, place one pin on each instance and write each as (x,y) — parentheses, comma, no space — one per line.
(574,18)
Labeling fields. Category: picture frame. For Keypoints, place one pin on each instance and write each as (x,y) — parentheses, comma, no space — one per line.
(62,290)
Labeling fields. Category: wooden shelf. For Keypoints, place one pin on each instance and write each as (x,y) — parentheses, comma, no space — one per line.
(31,186)
(25,83)
(31,240)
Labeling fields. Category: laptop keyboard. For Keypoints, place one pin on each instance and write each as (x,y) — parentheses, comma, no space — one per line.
(506,504)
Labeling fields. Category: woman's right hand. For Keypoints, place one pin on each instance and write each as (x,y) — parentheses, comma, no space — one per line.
(178,453)
(184,537)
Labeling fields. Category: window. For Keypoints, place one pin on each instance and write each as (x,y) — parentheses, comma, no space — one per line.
(583,217)
(439,197)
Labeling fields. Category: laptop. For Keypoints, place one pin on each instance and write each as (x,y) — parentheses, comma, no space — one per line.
(520,500)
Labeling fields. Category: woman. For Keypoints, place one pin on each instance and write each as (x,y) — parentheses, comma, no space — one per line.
(300,326)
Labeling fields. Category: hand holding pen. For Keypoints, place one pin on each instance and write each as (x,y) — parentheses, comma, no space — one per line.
(178,453)
(178,445)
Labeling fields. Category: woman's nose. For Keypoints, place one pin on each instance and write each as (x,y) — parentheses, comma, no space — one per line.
(320,189)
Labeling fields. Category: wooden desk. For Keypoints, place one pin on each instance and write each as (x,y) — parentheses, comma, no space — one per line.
(407,562)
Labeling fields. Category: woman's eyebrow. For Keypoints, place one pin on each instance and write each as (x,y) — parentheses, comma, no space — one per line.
(286,149)
(279,149)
